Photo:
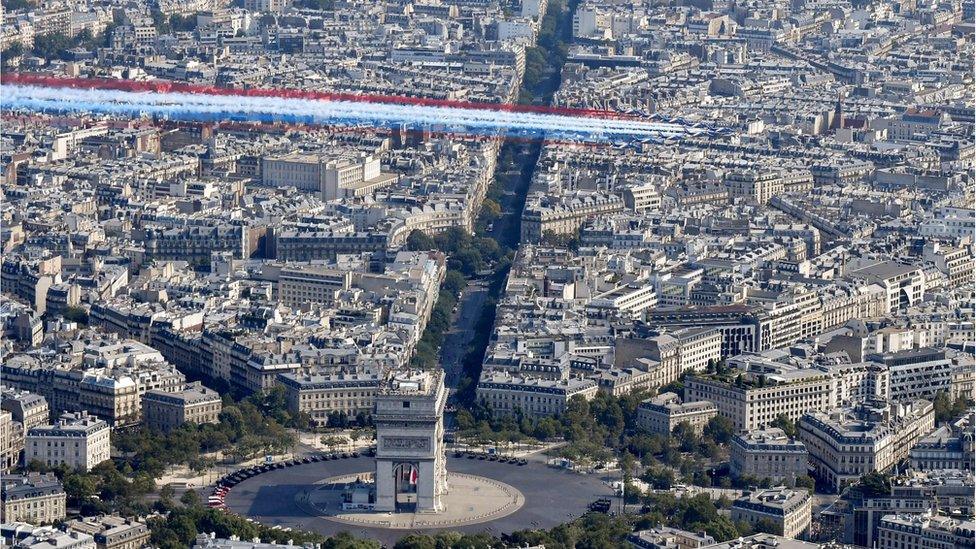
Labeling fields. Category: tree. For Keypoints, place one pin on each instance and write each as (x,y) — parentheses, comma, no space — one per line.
(721,528)
(417,241)
(720,429)
(190,498)
(786,424)
(491,210)
(766,526)
(166,492)
(333,442)
(345,540)
(79,487)
(14,5)
(416,541)
(806,482)
(181,23)
(660,478)
(51,46)
(946,410)
(943,407)
(676,387)
(15,49)
(686,436)
(354,436)
(875,485)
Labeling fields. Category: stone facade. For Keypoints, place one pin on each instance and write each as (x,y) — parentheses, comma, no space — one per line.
(411,473)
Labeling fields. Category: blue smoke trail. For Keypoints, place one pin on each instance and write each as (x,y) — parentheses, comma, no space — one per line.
(217,108)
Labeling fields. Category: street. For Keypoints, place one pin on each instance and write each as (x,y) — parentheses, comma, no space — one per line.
(458,338)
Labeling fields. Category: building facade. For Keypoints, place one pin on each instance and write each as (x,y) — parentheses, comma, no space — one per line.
(767,453)
(33,498)
(849,443)
(661,414)
(411,473)
(787,509)
(508,395)
(78,440)
(166,411)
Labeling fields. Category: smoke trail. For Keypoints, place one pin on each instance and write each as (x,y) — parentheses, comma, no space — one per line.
(202,107)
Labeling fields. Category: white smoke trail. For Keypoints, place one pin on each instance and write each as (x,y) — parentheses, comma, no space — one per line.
(198,107)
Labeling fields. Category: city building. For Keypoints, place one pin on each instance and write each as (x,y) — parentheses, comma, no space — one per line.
(78,440)
(112,532)
(917,531)
(661,414)
(767,453)
(664,537)
(322,395)
(165,411)
(788,511)
(948,447)
(33,498)
(508,395)
(848,443)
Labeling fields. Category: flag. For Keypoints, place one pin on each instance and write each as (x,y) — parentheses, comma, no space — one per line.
(413,475)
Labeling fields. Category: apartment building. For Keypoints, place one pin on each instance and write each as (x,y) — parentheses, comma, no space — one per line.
(661,414)
(787,509)
(166,411)
(698,348)
(848,443)
(642,197)
(506,394)
(112,532)
(904,285)
(955,263)
(950,447)
(916,373)
(320,395)
(29,409)
(33,498)
(755,187)
(330,176)
(78,440)
(925,531)
(767,453)
(753,402)
(311,284)
(11,441)
(565,215)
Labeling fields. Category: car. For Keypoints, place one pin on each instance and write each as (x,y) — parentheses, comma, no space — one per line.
(601,505)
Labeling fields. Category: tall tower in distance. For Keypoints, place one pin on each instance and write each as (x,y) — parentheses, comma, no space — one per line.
(411,472)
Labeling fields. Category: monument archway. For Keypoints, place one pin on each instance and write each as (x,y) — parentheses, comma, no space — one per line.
(406,475)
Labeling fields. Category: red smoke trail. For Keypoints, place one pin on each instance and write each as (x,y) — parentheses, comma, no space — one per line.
(163,86)
(280,128)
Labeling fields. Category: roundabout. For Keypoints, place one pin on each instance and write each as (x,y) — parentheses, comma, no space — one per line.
(484,496)
(472,499)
